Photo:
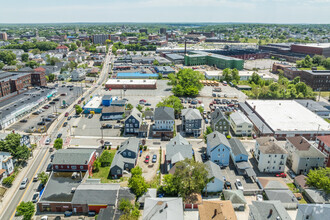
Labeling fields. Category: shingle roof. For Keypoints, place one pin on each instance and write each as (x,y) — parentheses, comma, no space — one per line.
(164,113)
(191,114)
(325,139)
(178,148)
(283,195)
(73,156)
(216,210)
(299,142)
(237,147)
(106,214)
(269,145)
(213,170)
(218,115)
(163,209)
(215,138)
(239,118)
(269,210)
(235,196)
(136,114)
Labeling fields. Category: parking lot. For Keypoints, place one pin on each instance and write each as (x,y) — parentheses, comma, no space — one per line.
(33,121)
(149,170)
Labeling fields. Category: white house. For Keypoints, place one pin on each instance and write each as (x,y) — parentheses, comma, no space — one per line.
(215,174)
(240,124)
(78,74)
(6,165)
(303,156)
(271,158)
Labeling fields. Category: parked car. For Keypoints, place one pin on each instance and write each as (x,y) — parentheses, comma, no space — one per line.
(154,158)
(147,104)
(259,197)
(239,184)
(90,116)
(48,140)
(41,123)
(105,126)
(67,214)
(24,183)
(107,143)
(56,99)
(227,185)
(23,121)
(65,124)
(59,135)
(35,197)
(52,103)
(51,116)
(291,174)
(147,159)
(66,114)
(91,213)
(69,118)
(283,175)
(49,168)
(35,178)
(45,107)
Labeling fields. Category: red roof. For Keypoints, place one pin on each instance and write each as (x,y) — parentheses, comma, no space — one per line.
(325,139)
(40,69)
(62,47)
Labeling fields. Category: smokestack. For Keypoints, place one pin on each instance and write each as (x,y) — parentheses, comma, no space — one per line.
(185,47)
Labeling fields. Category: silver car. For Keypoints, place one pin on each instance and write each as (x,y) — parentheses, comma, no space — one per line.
(24,183)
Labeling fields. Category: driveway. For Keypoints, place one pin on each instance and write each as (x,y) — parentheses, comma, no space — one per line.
(149,170)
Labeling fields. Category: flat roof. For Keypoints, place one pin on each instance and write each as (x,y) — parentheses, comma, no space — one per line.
(288,115)
(318,45)
(174,56)
(95,102)
(137,74)
(213,73)
(131,81)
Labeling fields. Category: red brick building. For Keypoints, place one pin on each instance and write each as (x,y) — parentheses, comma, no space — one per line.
(38,79)
(131,84)
(20,81)
(279,66)
(324,147)
(312,49)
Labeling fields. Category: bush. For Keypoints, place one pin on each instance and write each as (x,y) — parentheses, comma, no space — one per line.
(117,147)
(228,136)
(145,148)
(8,181)
(140,147)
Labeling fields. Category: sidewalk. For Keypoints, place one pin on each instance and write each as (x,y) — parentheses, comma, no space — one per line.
(13,189)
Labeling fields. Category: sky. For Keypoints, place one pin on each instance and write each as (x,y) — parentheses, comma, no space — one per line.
(247,11)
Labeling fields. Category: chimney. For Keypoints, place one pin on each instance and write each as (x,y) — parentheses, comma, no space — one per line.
(270,213)
(254,107)
(86,161)
(301,140)
(215,213)
(214,135)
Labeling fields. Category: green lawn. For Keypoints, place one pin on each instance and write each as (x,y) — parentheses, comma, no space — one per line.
(318,68)
(325,95)
(103,173)
(293,188)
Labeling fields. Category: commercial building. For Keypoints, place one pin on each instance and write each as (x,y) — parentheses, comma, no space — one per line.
(315,107)
(162,30)
(303,156)
(280,66)
(3,36)
(175,58)
(131,84)
(38,79)
(270,156)
(11,82)
(136,75)
(220,61)
(100,38)
(112,113)
(107,100)
(286,118)
(312,49)
(164,70)
(317,79)
(93,105)
(324,147)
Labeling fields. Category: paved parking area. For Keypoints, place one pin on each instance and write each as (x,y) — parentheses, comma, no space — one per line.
(149,170)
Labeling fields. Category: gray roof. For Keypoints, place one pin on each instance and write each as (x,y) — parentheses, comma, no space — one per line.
(136,114)
(106,97)
(164,113)
(213,170)
(314,211)
(215,138)
(73,156)
(177,149)
(237,147)
(151,193)
(283,195)
(235,196)
(261,210)
(269,145)
(312,152)
(107,213)
(163,209)
(317,196)
(239,118)
(217,115)
(312,105)
(191,114)
(96,194)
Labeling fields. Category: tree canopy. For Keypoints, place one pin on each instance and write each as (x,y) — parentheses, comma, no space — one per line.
(230,75)
(12,145)
(78,109)
(26,209)
(106,158)
(186,82)
(43,177)
(58,143)
(137,182)
(319,178)
(173,102)
(7,57)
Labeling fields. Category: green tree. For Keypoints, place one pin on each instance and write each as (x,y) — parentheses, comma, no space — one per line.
(190,177)
(7,57)
(51,77)
(319,178)
(26,209)
(96,165)
(32,64)
(226,74)
(58,143)
(25,57)
(129,106)
(78,109)
(73,47)
(155,63)
(12,145)
(125,206)
(200,109)
(235,75)
(105,158)
(137,182)
(43,177)
(208,131)
(186,82)
(1,65)
(78,43)
(107,41)
(169,186)
(139,107)
(173,102)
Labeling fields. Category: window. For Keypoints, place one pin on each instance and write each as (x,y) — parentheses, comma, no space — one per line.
(81,167)
(273,168)
(126,165)
(269,155)
(129,153)
(56,167)
(74,167)
(275,155)
(118,171)
(223,149)
(68,167)
(133,120)
(124,153)
(279,168)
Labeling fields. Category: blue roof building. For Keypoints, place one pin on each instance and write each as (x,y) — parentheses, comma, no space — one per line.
(136,75)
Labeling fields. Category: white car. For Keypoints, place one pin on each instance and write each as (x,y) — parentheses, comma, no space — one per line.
(239,185)
(24,183)
(259,197)
(48,140)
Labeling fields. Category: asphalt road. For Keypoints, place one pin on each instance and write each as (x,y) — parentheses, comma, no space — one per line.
(42,159)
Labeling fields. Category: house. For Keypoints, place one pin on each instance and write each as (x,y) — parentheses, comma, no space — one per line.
(74,160)
(324,147)
(236,197)
(177,149)
(62,49)
(270,210)
(215,174)
(192,201)
(285,196)
(133,122)
(6,165)
(220,122)
(163,209)
(125,157)
(149,115)
(238,152)
(218,148)
(216,210)
(78,74)
(191,122)
(271,158)
(300,182)
(316,196)
(151,193)
(164,123)
(313,211)
(240,124)
(303,156)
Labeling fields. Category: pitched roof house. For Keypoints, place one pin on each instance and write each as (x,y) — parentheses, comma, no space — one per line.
(133,122)
(164,122)
(220,122)
(216,210)
(270,210)
(163,209)
(214,173)
(218,148)
(240,124)
(191,121)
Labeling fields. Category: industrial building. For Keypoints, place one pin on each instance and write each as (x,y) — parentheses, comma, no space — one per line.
(312,49)
(220,61)
(93,105)
(136,75)
(165,70)
(175,58)
(131,84)
(287,118)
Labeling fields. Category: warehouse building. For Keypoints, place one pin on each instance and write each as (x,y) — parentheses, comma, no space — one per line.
(131,84)
(312,49)
(220,61)
(165,70)
(175,58)
(287,118)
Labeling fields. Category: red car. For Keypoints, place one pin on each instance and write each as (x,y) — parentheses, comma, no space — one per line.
(66,114)
(283,175)
(147,159)
(79,101)
(143,100)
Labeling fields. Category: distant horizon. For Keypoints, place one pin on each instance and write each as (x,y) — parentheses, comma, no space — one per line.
(169,11)
(168,23)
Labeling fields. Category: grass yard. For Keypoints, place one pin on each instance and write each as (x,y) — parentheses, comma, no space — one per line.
(2,191)
(293,188)
(325,95)
(103,172)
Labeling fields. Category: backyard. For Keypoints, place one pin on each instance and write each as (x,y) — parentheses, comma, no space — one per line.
(293,188)
(103,172)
